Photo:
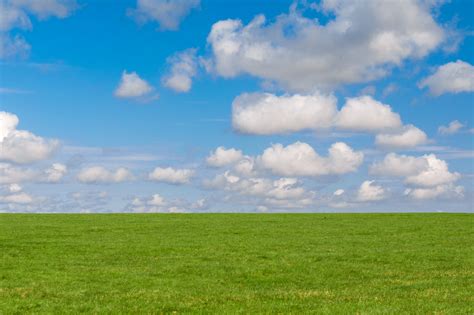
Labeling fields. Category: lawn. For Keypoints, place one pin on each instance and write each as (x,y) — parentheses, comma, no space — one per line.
(237,263)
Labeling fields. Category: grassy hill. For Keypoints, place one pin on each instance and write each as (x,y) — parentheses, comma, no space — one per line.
(237,263)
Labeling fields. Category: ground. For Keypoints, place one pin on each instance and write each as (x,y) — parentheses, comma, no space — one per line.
(237,263)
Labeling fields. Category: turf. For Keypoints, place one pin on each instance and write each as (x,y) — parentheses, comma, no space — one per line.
(237,263)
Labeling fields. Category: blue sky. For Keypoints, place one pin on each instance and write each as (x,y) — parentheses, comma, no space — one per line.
(123,106)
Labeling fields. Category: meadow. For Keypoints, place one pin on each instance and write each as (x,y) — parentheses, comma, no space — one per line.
(237,263)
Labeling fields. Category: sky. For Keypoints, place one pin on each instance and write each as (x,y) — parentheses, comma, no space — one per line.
(236,106)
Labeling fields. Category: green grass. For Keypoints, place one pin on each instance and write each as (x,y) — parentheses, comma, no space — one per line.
(237,263)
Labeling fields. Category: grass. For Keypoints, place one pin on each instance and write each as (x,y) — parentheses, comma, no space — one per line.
(237,263)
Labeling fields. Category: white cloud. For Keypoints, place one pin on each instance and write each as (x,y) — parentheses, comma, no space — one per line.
(14,188)
(281,193)
(369,191)
(429,176)
(435,174)
(451,129)
(10,174)
(21,146)
(183,69)
(13,46)
(14,14)
(171,175)
(362,42)
(453,77)
(407,137)
(339,192)
(131,85)
(264,113)
(17,198)
(446,191)
(168,13)
(55,173)
(156,201)
(99,174)
(366,114)
(222,156)
(300,159)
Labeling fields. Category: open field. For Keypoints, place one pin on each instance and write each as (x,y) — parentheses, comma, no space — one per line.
(237,263)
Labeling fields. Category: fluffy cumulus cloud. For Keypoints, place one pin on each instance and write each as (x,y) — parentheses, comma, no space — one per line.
(267,114)
(10,174)
(168,13)
(15,15)
(222,156)
(171,175)
(453,127)
(453,77)
(368,191)
(21,146)
(131,85)
(366,114)
(264,113)
(427,175)
(361,43)
(300,159)
(282,193)
(183,67)
(99,174)
(407,137)
(158,203)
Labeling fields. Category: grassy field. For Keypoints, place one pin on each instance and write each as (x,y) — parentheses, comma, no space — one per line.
(237,263)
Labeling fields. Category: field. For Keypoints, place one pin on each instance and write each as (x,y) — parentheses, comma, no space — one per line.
(237,263)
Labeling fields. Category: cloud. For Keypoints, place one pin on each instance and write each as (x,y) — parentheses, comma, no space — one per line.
(13,46)
(451,129)
(300,159)
(453,77)
(21,146)
(131,86)
(280,193)
(17,198)
(222,156)
(168,13)
(428,175)
(183,69)
(99,174)
(55,173)
(265,114)
(14,14)
(171,175)
(446,191)
(366,114)
(368,191)
(361,43)
(407,137)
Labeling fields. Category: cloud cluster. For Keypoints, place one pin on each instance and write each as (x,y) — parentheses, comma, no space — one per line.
(454,127)
(168,13)
(99,174)
(453,77)
(300,159)
(368,191)
(21,146)
(284,192)
(361,43)
(158,203)
(427,176)
(183,67)
(266,114)
(171,175)
(14,14)
(222,156)
(132,86)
